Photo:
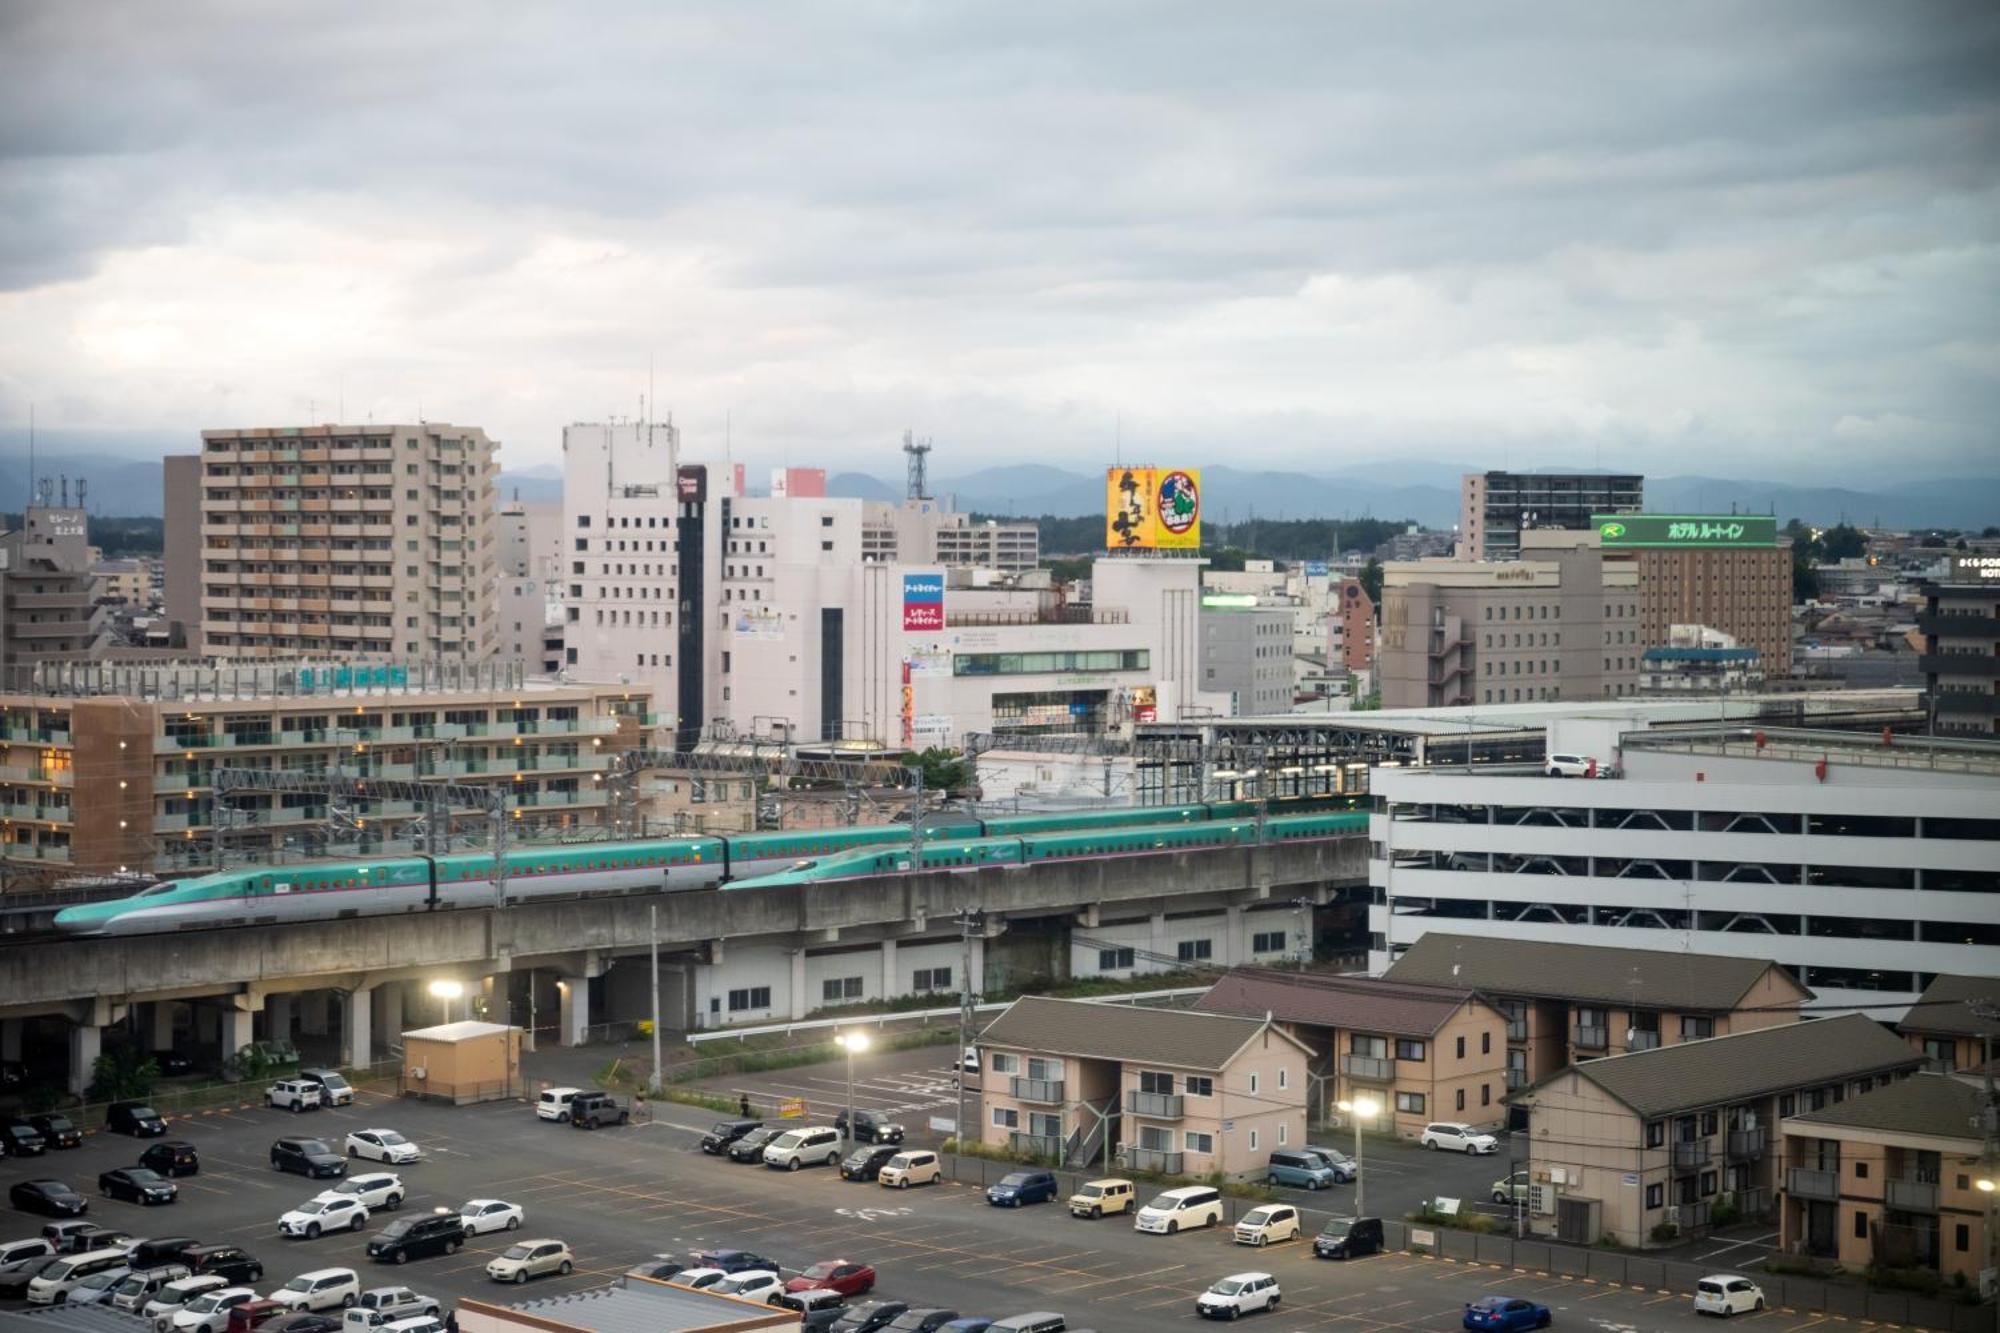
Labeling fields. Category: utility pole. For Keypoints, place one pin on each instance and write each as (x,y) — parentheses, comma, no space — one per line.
(653,920)
(967,921)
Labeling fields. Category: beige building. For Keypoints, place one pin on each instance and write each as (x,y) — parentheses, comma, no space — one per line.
(1643,1148)
(1174,1091)
(1564,1003)
(1560,622)
(48,604)
(1889,1179)
(463,1062)
(182,545)
(348,541)
(1942,1027)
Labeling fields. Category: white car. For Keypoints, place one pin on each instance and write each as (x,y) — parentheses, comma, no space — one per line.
(326,1212)
(175,1296)
(381,1145)
(1261,1226)
(209,1312)
(293,1094)
(1458,1137)
(752,1284)
(321,1289)
(701,1279)
(1572,766)
(553,1104)
(1239,1293)
(809,1145)
(375,1189)
(483,1215)
(1726,1294)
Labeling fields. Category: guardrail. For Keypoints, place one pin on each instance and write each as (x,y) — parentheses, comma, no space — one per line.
(909,1015)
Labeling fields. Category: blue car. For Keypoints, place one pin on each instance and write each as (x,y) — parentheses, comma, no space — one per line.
(1505,1312)
(1019,1187)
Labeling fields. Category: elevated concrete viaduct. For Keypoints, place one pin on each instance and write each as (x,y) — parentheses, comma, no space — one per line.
(356,974)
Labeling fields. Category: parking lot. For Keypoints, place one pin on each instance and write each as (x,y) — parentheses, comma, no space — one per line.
(620,1195)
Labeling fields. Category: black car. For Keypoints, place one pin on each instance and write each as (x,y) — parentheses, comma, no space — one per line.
(867,1163)
(18,1138)
(307,1157)
(870,1317)
(47,1196)
(303,1321)
(159,1251)
(58,1131)
(135,1118)
(750,1148)
(660,1270)
(137,1184)
(734,1261)
(870,1127)
(919,1321)
(1348,1238)
(12,1073)
(171,1157)
(231,1263)
(409,1238)
(717,1140)
(172,1063)
(15,1277)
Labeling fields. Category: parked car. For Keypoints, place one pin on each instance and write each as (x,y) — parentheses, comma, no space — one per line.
(174,1063)
(818,1310)
(302,1321)
(701,1279)
(1572,766)
(1510,1190)
(759,1284)
(374,1189)
(1348,1238)
(1726,1294)
(660,1268)
(588,1110)
(1297,1167)
(967,1324)
(67,1236)
(252,1315)
(12,1250)
(53,1284)
(174,1297)
(16,1274)
(871,1127)
(725,1132)
(20,1138)
(49,1197)
(1273,1221)
(841,1275)
(531,1258)
(57,1129)
(1238,1294)
(233,1262)
(135,1118)
(335,1212)
(382,1145)
(171,1157)
(920,1321)
(1095,1198)
(867,1161)
(409,1238)
(1040,1321)
(96,1289)
(1344,1168)
(142,1284)
(380,1305)
(1180,1210)
(1504,1313)
(553,1104)
(321,1289)
(159,1250)
(209,1311)
(334,1089)
(1022,1187)
(1457,1136)
(136,1184)
(734,1261)
(905,1169)
(307,1157)
(807,1146)
(869,1318)
(292,1094)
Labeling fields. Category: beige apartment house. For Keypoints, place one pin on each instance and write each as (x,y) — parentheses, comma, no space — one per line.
(1078,1082)
(1642,1148)
(1565,1003)
(1889,1178)
(1943,1027)
(347,541)
(1421,1052)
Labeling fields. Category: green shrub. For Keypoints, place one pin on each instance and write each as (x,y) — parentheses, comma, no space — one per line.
(1664,1232)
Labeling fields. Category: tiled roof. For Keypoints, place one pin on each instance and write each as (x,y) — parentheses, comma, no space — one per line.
(644,1306)
(1183,1038)
(1362,1004)
(1743,1065)
(1943,1007)
(1934,1104)
(1581,973)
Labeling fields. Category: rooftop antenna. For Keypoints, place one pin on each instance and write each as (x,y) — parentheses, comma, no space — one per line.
(916,450)
(82,487)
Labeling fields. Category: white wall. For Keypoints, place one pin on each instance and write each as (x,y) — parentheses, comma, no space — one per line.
(748,966)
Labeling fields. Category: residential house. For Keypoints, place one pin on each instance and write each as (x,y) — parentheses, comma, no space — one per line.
(1644,1146)
(1943,1026)
(1422,1052)
(1570,1002)
(1890,1179)
(1170,1090)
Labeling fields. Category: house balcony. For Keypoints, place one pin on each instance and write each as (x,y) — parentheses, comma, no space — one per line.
(1516,1078)
(1692,1156)
(1746,1144)
(1642,1041)
(1517,1029)
(1590,1037)
(1371,1068)
(1154,1105)
(1153,1159)
(1035,1089)
(1046,1146)
(1806,1183)
(1913,1196)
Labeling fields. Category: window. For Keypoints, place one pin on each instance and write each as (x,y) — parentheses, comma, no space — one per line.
(1707,1183)
(1253,1082)
(1485,1094)
(1656,1134)
(1200,1085)
(1962,1238)
(1485,1043)
(1156,1082)
(1253,1140)
(1460,1101)
(930,978)
(1198,1143)
(1694,1029)
(1411,1102)
(1461,1048)
(1409,1050)
(1004,1063)
(1283,1079)
(1042,1070)
(1192,951)
(1861,1170)
(835,989)
(1860,1225)
(1787,1105)
(1710,1121)
(1112,960)
(1656,1195)
(1281,1136)
(750,997)
(1006,1117)
(1268,941)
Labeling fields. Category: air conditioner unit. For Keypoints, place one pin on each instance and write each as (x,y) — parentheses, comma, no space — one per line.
(1673,1214)
(1542,1200)
(420,1073)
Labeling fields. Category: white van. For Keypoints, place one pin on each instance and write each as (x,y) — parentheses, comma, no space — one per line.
(1181,1209)
(553,1104)
(25,1249)
(808,1146)
(56,1281)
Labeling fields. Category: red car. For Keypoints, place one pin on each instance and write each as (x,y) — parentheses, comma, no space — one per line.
(849,1279)
(252,1314)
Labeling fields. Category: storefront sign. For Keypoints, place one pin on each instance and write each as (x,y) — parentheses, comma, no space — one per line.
(1627,531)
(923,601)
(1147,508)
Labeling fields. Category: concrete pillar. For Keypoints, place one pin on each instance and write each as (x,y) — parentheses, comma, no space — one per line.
(572,1028)
(391,1025)
(314,1013)
(163,1025)
(237,1029)
(10,1037)
(888,969)
(278,1016)
(493,995)
(798,984)
(86,1041)
(1234,950)
(207,1025)
(357,1029)
(975,980)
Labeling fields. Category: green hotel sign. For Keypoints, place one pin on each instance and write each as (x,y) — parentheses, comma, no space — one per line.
(1628,531)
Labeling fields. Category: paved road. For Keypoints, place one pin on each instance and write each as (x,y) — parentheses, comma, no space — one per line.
(620,1195)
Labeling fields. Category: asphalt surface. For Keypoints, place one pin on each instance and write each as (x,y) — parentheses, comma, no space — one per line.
(620,1195)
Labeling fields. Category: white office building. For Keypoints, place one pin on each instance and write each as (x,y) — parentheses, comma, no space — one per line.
(1865,868)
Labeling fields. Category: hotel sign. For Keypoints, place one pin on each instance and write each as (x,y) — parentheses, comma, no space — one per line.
(1672,531)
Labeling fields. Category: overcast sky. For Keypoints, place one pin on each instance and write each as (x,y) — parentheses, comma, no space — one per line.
(1755,239)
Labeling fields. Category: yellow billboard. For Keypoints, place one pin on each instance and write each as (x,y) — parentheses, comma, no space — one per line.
(1152,508)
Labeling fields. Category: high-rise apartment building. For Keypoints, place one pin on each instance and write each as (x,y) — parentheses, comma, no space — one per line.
(182,542)
(1730,572)
(328,541)
(1495,508)
(1961,662)
(529,584)
(47,592)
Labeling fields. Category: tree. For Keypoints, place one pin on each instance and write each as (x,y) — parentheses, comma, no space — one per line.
(1841,543)
(1371,580)
(943,770)
(122,1075)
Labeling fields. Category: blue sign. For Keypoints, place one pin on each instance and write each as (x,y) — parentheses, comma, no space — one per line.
(923,601)
(1315,569)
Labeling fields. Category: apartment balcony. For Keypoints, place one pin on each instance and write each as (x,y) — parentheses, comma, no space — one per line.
(1959,664)
(1036,1089)
(1753,1202)
(1692,1156)
(1046,1146)
(1371,1068)
(1946,626)
(1965,702)
(1691,1215)
(1516,1078)
(1590,1037)
(1517,1029)
(1153,1159)
(1642,1041)
(1806,1183)
(1154,1105)
(1746,1145)
(1913,1196)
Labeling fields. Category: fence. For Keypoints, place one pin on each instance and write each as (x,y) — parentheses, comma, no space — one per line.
(922,1016)
(213,1096)
(1907,1309)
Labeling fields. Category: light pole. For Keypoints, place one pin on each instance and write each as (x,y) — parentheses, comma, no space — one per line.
(447,990)
(1361,1108)
(853,1043)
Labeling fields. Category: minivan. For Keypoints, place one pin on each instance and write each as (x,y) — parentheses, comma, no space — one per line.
(171,1157)
(143,1284)
(334,1090)
(25,1249)
(1019,1187)
(165,1250)
(1348,1238)
(1041,1321)
(56,1281)
(409,1238)
(804,1147)
(135,1118)
(1180,1209)
(1304,1169)
(553,1104)
(20,1139)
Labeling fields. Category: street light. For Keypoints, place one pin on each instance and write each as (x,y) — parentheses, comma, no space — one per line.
(1361,1108)
(854,1043)
(447,990)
